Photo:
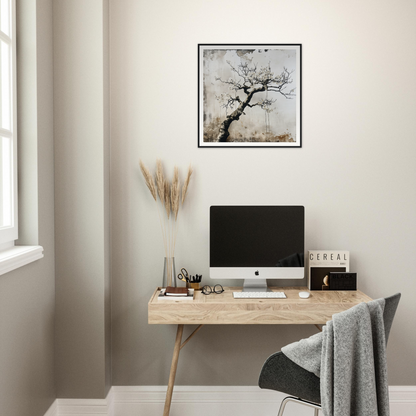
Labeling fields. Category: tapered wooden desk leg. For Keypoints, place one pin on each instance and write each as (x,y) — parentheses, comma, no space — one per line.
(173,368)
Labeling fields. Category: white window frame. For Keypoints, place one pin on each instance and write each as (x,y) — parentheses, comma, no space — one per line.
(9,233)
(11,256)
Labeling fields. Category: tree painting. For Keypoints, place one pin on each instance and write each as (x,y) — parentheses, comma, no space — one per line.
(250,96)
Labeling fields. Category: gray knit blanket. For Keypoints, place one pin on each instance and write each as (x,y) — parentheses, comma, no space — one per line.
(349,356)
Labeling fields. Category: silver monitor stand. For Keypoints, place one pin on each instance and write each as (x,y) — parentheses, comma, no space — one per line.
(255,285)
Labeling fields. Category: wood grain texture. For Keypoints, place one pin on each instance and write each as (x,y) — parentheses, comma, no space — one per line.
(224,309)
(173,368)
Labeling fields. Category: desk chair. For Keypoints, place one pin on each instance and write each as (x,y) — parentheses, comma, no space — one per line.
(281,374)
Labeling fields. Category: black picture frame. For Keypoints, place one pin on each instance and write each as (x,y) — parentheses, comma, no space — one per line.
(249,95)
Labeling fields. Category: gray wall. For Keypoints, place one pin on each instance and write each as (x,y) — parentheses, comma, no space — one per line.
(27,295)
(81,132)
(355,173)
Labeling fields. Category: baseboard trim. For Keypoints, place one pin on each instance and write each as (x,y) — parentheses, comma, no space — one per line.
(203,400)
(194,394)
(84,407)
(402,394)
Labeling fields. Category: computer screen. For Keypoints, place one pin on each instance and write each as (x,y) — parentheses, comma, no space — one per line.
(256,242)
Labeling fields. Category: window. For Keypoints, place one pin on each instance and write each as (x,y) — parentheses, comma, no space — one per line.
(11,256)
(8,146)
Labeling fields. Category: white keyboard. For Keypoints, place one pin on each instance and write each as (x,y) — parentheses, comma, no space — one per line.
(259,295)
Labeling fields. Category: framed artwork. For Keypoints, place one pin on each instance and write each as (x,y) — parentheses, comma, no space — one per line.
(249,95)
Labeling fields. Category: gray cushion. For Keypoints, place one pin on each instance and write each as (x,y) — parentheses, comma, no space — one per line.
(281,374)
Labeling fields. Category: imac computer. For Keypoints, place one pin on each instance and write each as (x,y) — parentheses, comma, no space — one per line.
(256,242)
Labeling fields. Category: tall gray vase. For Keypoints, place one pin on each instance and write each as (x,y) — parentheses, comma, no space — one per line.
(169,272)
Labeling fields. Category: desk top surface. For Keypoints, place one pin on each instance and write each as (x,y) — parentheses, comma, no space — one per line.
(217,309)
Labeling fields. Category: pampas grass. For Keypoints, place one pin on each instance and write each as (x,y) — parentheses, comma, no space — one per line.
(170,199)
(148,179)
(186,183)
(160,181)
(166,200)
(174,193)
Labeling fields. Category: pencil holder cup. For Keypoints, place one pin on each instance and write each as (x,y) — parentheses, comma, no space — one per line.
(195,286)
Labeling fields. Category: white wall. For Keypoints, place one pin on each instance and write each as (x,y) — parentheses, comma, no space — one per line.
(355,173)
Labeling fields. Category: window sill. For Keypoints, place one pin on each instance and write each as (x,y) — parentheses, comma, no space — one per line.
(18,256)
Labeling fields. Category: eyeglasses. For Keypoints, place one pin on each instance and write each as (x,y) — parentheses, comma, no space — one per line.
(207,290)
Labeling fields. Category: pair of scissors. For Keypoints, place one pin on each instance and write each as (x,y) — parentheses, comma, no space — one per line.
(184,275)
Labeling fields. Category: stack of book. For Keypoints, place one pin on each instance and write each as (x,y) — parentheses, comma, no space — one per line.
(176,293)
(322,263)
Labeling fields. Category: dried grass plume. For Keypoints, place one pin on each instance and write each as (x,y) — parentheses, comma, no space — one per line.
(148,179)
(167,197)
(175,193)
(160,180)
(186,183)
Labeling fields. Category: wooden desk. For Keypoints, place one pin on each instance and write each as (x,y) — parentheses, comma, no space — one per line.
(223,309)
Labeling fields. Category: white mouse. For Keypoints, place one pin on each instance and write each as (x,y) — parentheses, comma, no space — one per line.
(304,295)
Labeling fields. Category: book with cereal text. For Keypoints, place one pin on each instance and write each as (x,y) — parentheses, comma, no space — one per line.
(322,262)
